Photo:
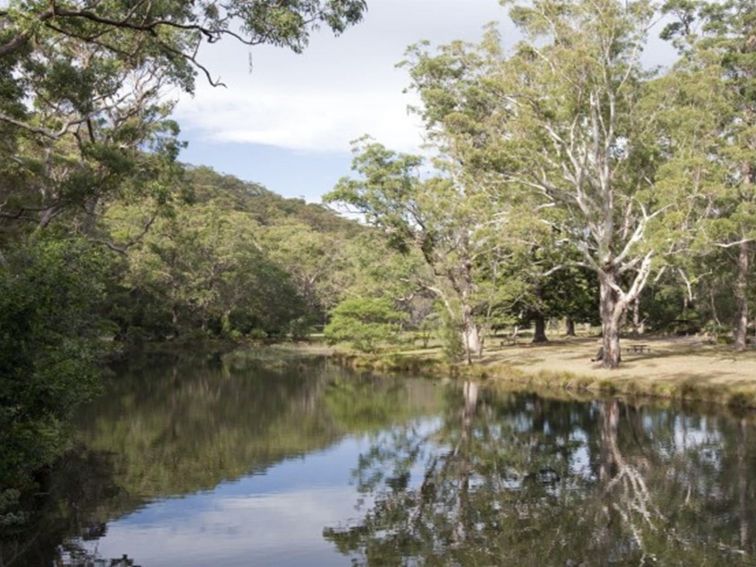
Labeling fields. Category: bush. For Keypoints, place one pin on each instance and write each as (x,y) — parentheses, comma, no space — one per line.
(364,323)
(450,334)
(257,335)
(50,292)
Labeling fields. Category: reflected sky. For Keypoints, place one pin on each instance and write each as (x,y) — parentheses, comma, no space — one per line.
(275,518)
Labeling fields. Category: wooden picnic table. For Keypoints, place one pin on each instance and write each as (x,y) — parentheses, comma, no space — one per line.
(639,348)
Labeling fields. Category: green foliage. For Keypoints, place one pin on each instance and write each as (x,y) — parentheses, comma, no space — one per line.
(49,294)
(88,150)
(443,221)
(233,260)
(365,323)
(591,162)
(451,339)
(206,270)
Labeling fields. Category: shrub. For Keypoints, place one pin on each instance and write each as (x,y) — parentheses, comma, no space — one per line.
(50,331)
(364,323)
(450,333)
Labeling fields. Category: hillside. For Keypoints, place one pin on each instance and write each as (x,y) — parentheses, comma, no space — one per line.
(265,206)
(228,258)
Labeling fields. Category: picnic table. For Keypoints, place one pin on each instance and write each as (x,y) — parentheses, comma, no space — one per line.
(639,348)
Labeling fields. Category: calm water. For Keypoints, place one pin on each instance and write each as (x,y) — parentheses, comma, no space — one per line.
(249,460)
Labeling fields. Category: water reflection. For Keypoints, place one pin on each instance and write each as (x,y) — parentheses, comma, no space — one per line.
(520,480)
(177,427)
(273,461)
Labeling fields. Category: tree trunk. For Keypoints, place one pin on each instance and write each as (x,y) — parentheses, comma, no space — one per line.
(638,327)
(570,327)
(175,320)
(539,336)
(714,313)
(611,310)
(741,297)
(470,335)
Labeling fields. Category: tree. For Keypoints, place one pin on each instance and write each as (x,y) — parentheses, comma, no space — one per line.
(570,133)
(314,260)
(437,217)
(82,110)
(50,294)
(711,130)
(570,293)
(203,266)
(172,30)
(364,322)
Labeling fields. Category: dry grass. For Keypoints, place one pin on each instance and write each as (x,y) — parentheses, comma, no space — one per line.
(684,368)
(669,359)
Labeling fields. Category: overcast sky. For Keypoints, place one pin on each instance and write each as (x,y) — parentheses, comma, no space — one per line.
(286,120)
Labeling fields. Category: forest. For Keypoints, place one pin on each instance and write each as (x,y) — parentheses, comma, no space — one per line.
(562,180)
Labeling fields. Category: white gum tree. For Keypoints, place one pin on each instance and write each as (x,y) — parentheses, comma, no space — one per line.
(569,130)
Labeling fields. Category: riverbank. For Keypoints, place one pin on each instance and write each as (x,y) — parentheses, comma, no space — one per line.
(676,368)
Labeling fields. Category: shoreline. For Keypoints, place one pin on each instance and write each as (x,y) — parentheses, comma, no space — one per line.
(676,369)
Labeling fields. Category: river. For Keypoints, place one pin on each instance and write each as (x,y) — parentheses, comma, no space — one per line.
(259,459)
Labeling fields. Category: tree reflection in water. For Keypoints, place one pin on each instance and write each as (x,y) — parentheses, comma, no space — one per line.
(170,426)
(521,480)
(447,473)
(80,497)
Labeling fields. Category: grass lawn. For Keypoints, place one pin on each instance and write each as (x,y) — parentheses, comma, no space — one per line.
(677,367)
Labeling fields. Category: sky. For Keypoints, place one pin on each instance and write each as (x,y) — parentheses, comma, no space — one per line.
(286,120)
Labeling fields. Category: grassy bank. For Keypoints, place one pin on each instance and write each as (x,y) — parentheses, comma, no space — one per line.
(679,368)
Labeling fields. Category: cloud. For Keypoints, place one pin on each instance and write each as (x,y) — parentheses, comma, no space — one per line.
(308,120)
(337,90)
(251,529)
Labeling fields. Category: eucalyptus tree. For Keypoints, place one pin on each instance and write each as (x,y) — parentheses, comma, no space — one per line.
(570,133)
(435,216)
(84,86)
(314,259)
(711,129)
(580,137)
(78,125)
(173,30)
(455,110)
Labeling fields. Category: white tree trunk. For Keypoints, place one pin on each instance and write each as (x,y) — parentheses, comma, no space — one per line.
(470,336)
(611,310)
